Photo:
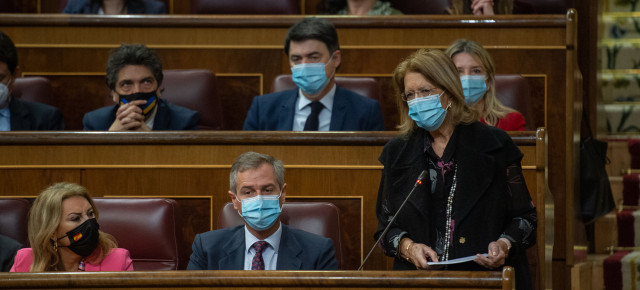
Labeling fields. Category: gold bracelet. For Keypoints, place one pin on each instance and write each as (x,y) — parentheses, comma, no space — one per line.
(408,246)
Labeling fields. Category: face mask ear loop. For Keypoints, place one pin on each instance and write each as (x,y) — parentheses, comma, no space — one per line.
(325,69)
(448,104)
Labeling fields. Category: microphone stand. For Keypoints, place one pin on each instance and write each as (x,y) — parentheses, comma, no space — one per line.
(418,182)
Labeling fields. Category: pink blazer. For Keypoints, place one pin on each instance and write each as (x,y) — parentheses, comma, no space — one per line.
(117,260)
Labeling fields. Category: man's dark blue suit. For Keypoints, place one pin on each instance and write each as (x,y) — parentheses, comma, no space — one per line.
(224,249)
(351,112)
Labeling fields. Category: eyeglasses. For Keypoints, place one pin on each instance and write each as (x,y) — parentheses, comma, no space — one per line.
(421,93)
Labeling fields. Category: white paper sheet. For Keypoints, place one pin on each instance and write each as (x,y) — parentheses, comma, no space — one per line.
(455,261)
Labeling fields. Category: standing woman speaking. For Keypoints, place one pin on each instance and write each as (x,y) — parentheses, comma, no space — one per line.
(474,200)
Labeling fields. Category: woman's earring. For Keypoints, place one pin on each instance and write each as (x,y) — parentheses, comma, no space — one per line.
(54,243)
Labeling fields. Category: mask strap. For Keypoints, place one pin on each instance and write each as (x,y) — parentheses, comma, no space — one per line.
(332,75)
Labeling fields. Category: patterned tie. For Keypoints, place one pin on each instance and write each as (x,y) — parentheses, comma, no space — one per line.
(312,121)
(258,263)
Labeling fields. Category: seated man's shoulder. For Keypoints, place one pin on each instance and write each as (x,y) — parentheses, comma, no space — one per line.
(36,107)
(221,234)
(276,96)
(35,116)
(101,112)
(182,118)
(78,6)
(180,109)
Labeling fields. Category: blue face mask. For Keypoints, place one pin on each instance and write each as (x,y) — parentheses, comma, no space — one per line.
(427,112)
(474,87)
(310,77)
(262,211)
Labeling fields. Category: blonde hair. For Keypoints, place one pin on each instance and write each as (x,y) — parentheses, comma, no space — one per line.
(439,70)
(494,110)
(464,7)
(44,218)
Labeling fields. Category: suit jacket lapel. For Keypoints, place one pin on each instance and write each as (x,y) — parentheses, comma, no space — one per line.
(162,118)
(339,111)
(287,110)
(475,167)
(19,119)
(233,252)
(289,251)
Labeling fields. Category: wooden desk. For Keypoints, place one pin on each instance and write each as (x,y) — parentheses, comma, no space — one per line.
(262,280)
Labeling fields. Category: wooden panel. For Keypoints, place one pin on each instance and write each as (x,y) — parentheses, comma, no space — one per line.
(262,280)
(33,181)
(236,93)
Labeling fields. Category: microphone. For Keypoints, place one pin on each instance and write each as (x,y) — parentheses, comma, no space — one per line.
(418,182)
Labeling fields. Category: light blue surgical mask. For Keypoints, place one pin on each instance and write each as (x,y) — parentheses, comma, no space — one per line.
(427,112)
(474,87)
(310,77)
(261,211)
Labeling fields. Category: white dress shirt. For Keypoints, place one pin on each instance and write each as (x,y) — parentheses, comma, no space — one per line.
(303,110)
(5,119)
(269,255)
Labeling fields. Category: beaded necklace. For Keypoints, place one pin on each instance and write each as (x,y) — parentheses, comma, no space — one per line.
(445,256)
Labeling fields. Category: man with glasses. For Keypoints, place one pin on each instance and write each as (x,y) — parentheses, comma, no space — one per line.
(257,190)
(317,104)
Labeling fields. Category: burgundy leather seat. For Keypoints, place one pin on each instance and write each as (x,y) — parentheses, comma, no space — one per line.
(245,7)
(421,6)
(365,86)
(541,6)
(34,89)
(195,89)
(514,92)
(147,227)
(320,218)
(14,216)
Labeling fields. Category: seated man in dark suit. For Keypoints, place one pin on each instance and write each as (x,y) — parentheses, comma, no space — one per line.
(8,249)
(17,114)
(257,190)
(114,7)
(134,75)
(318,104)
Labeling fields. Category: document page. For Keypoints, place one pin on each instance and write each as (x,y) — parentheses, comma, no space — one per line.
(455,261)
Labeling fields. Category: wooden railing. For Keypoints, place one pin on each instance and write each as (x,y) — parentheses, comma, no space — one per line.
(262,280)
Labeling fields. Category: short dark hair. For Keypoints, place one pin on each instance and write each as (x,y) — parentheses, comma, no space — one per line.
(313,28)
(8,52)
(253,160)
(132,54)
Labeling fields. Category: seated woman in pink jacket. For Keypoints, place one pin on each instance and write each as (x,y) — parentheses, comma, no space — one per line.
(65,236)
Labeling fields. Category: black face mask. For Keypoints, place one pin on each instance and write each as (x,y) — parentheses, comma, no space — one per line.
(84,238)
(150,97)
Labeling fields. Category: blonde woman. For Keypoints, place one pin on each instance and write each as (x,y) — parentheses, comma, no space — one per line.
(65,236)
(478,78)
